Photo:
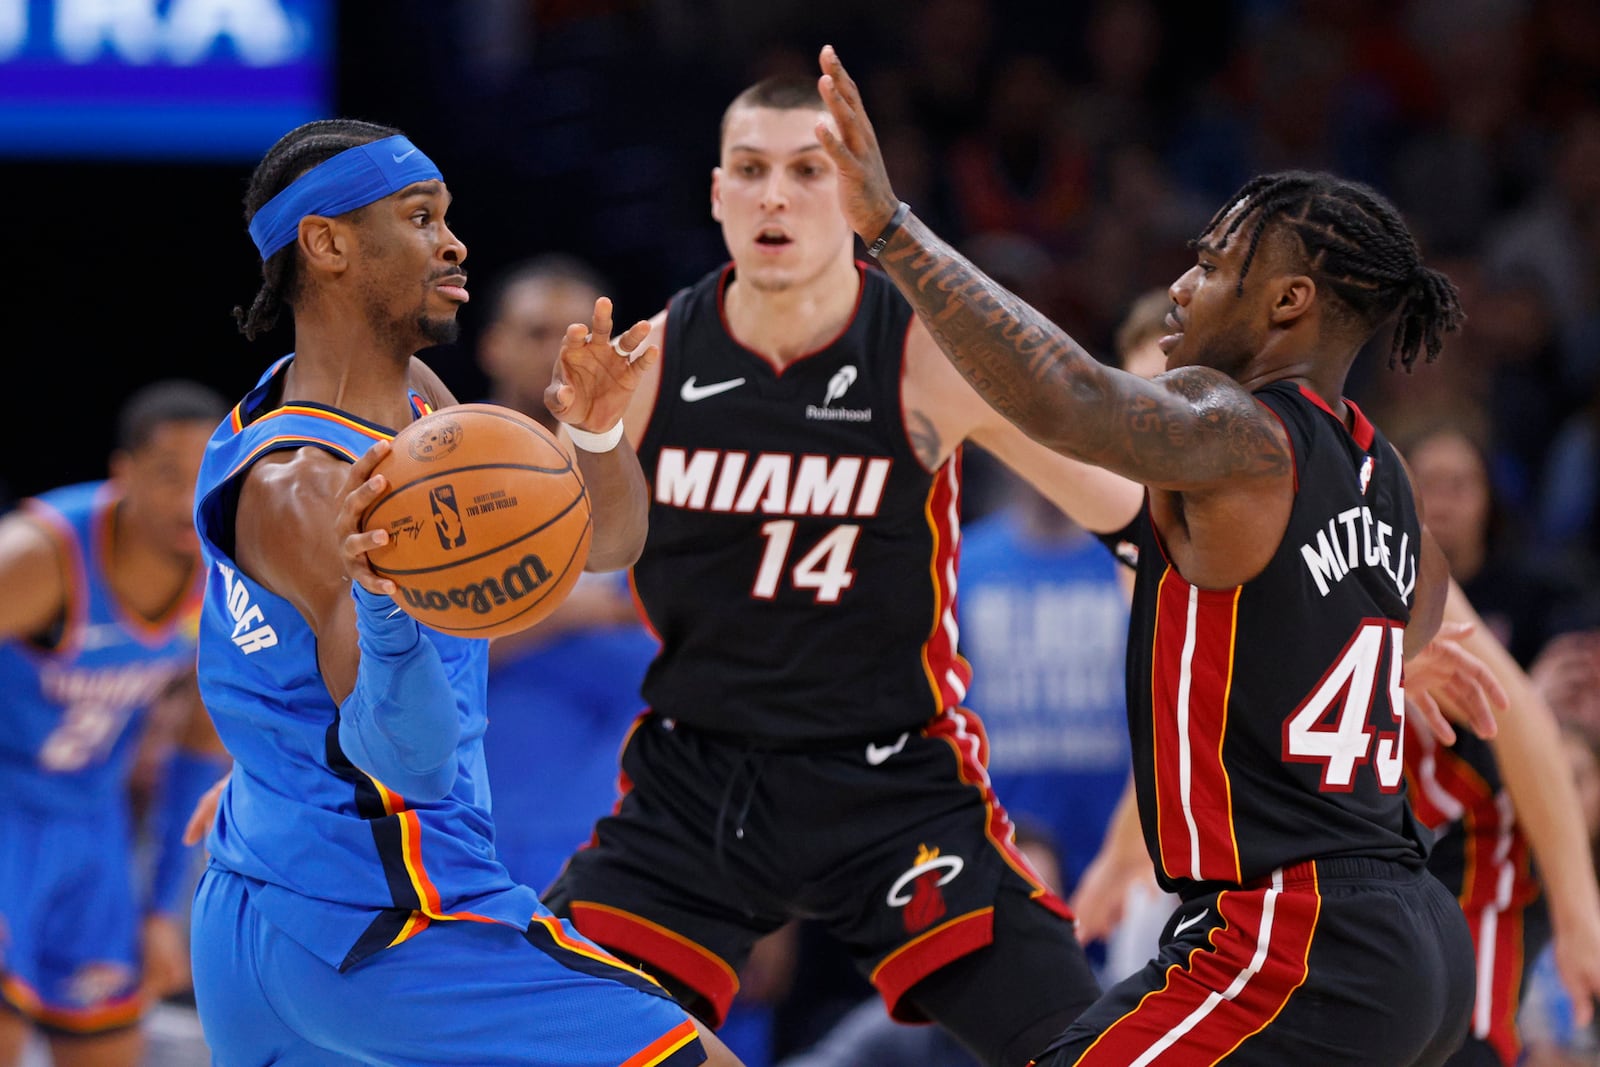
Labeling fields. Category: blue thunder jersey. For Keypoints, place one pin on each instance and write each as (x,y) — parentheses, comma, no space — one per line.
(72,706)
(343,865)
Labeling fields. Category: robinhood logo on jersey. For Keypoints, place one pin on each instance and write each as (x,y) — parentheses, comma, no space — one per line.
(838,385)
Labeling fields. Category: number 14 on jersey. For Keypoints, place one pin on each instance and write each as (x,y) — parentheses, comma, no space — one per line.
(825,569)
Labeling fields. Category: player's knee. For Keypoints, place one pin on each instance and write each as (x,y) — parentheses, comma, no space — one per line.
(1008,1001)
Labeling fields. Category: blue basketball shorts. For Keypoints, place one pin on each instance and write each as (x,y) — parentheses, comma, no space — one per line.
(69,921)
(458,993)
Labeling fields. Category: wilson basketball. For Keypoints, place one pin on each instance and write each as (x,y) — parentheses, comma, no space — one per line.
(488,519)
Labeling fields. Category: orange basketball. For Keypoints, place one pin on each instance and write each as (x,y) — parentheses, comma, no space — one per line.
(488,521)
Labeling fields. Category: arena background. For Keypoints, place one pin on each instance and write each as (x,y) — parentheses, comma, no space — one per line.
(1074,144)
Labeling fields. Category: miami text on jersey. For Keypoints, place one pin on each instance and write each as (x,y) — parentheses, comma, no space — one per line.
(771,483)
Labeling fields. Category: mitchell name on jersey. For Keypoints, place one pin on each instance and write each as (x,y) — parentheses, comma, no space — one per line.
(1356,538)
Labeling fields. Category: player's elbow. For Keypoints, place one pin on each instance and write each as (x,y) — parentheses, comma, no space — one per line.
(425,786)
(419,770)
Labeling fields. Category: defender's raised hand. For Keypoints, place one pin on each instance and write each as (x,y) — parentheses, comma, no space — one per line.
(864,192)
(595,377)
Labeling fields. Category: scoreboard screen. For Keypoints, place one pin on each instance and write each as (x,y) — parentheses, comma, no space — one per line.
(160,79)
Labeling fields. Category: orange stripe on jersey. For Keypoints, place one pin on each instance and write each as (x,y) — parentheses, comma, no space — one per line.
(1497,938)
(558,933)
(1191,683)
(107,1015)
(331,416)
(1224,992)
(273,442)
(665,1046)
(901,969)
(414,926)
(1479,872)
(949,674)
(963,730)
(704,970)
(236,418)
(427,892)
(392,802)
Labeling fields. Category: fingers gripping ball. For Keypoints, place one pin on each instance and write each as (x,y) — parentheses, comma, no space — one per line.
(488,519)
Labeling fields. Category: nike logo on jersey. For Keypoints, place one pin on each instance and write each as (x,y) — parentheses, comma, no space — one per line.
(1181,927)
(877,754)
(692,392)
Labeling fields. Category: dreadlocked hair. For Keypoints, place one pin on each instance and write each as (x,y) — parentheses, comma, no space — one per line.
(1356,245)
(295,153)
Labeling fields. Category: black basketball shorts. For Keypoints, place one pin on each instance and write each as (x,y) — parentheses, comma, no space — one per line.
(1333,963)
(897,844)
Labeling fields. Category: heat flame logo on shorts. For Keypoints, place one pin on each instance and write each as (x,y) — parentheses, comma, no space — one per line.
(918,892)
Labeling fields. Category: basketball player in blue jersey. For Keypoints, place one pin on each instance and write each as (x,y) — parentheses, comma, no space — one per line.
(102,586)
(806,753)
(1284,577)
(354,911)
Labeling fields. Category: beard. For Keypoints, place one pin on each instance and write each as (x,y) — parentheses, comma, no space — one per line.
(438,329)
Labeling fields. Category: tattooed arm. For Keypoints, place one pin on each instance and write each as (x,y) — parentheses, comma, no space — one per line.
(1188,430)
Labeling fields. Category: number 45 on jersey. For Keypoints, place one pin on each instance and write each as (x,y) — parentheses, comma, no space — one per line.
(1346,691)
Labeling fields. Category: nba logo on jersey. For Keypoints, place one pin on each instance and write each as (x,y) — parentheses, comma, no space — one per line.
(447,517)
(1366,474)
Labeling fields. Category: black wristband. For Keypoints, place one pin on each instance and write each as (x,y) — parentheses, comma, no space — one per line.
(897,220)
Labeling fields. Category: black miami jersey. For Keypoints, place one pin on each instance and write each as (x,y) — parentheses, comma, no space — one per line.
(800,569)
(1267,719)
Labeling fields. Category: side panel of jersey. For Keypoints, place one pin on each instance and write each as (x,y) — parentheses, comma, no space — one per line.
(342,864)
(73,710)
(1044,622)
(1267,719)
(800,566)
(1481,854)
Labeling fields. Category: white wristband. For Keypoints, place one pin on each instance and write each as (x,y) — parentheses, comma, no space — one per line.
(596,442)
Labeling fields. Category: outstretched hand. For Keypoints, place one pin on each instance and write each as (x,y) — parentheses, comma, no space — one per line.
(594,377)
(864,192)
(1444,681)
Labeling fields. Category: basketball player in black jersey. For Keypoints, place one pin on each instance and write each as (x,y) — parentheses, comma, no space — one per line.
(805,753)
(1283,579)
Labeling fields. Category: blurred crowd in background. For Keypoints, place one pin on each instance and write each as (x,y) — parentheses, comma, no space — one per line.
(1071,150)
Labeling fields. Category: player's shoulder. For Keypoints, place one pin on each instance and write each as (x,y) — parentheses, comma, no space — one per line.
(294,476)
(426,383)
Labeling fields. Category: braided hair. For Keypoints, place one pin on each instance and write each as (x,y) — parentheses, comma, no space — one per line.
(295,153)
(1356,245)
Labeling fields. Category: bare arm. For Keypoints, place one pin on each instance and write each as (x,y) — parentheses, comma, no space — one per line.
(1528,751)
(943,410)
(32,573)
(594,382)
(285,539)
(1121,862)
(1191,429)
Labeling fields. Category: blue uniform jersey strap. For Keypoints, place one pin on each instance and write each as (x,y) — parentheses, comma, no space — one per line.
(75,697)
(339,861)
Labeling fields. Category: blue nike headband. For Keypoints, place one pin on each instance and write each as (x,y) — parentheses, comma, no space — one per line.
(354,178)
